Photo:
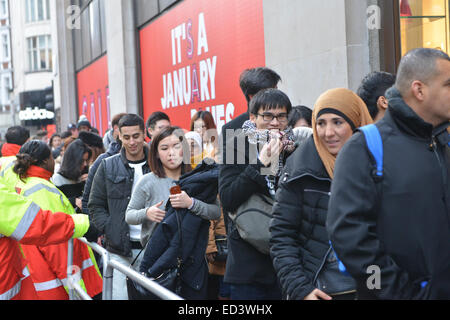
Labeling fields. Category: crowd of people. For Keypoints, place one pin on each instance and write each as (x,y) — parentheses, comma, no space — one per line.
(158,196)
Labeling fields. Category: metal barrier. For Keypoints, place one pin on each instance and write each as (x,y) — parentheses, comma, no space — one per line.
(108,267)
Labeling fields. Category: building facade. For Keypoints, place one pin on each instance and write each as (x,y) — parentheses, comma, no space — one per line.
(6,103)
(183,56)
(32,47)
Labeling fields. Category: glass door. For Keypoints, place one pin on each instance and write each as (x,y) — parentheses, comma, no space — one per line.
(424,23)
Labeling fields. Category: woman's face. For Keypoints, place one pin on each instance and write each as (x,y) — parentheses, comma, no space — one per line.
(333,131)
(195,148)
(170,152)
(85,161)
(56,142)
(302,123)
(200,127)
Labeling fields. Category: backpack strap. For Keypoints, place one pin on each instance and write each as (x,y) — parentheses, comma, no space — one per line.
(375,146)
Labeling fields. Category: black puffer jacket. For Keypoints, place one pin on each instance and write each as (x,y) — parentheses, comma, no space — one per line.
(402,224)
(299,244)
(108,201)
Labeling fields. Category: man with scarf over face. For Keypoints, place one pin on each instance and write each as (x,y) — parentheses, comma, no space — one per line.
(250,272)
(15,138)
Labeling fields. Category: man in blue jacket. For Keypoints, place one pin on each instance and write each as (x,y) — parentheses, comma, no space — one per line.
(393,233)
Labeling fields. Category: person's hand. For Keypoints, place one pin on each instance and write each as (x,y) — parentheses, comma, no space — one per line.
(84,177)
(99,240)
(271,151)
(78,203)
(181,200)
(155,214)
(317,295)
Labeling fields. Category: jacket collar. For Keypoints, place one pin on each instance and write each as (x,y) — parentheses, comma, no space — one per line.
(405,117)
(306,161)
(9,149)
(126,161)
(114,148)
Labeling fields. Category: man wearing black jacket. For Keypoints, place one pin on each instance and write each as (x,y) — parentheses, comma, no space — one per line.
(393,234)
(250,273)
(111,191)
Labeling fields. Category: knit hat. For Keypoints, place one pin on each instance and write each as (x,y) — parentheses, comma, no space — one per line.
(346,104)
(91,139)
(83,121)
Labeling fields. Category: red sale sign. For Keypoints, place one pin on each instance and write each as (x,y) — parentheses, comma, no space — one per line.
(193,55)
(93,94)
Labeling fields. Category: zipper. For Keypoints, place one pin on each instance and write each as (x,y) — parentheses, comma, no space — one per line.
(318,191)
(322,264)
(286,175)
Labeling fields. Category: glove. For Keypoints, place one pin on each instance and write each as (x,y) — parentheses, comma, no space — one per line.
(301,134)
(81,222)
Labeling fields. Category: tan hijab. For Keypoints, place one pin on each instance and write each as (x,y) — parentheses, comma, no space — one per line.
(346,104)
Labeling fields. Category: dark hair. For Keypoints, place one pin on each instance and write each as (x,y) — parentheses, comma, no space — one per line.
(73,159)
(155,163)
(254,80)
(66,134)
(374,86)
(41,133)
(131,120)
(33,152)
(17,135)
(52,137)
(270,99)
(115,120)
(154,118)
(300,112)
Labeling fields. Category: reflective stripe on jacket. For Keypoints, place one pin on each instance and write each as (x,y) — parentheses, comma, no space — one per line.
(48,264)
(7,175)
(22,220)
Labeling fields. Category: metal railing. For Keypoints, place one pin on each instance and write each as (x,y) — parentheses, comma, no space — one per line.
(75,291)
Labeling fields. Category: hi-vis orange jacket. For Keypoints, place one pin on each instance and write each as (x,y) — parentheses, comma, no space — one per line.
(22,220)
(48,264)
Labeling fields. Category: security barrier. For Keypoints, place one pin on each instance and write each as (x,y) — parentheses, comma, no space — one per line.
(77,293)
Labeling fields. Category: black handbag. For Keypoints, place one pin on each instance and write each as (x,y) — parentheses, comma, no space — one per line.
(222,248)
(169,279)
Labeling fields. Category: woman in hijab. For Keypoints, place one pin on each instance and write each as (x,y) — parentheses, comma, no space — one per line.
(303,258)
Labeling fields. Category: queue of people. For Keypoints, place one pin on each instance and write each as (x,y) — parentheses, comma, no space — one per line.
(172,203)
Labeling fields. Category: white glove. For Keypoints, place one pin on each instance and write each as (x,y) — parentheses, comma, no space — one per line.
(301,134)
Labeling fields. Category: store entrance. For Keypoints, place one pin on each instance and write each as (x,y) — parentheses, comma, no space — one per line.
(424,23)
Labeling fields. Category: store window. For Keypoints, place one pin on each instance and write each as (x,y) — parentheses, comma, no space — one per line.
(424,23)
(40,53)
(37,10)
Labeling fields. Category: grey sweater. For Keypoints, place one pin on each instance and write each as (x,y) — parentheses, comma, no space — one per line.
(150,190)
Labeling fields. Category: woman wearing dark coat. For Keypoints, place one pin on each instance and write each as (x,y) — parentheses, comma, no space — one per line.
(302,256)
(73,173)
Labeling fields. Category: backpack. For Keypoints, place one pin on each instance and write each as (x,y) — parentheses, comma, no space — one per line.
(375,146)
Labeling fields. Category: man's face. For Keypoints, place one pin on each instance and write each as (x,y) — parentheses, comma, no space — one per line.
(262,119)
(83,128)
(159,126)
(437,94)
(132,140)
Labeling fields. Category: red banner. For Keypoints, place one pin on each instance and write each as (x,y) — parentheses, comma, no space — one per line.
(93,94)
(193,55)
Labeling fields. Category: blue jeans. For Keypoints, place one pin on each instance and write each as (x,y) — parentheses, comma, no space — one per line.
(255,292)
